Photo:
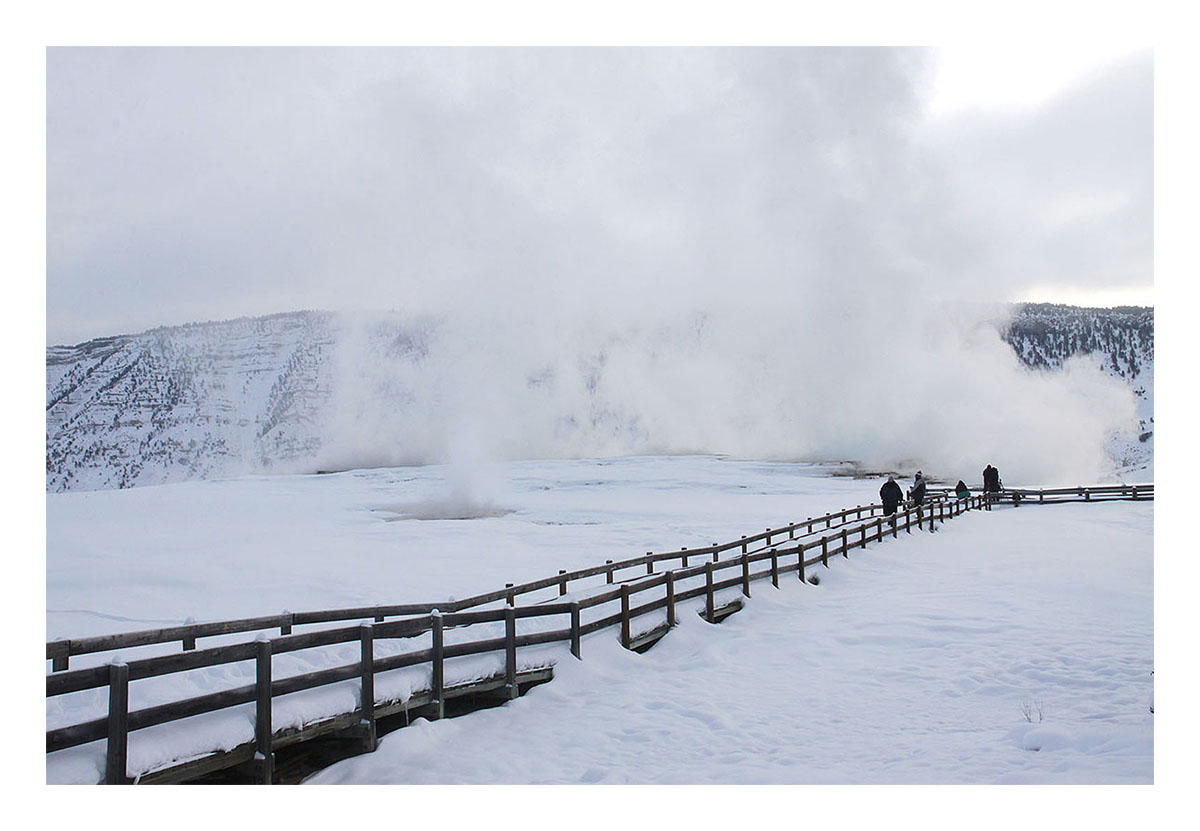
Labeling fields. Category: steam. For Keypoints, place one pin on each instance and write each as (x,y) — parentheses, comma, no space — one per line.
(941,391)
(590,252)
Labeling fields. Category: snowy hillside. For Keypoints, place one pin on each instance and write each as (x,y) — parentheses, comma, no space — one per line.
(307,391)
(1120,341)
(186,403)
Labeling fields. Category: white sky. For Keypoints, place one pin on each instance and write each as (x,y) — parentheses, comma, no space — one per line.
(189,186)
(988,76)
(979,79)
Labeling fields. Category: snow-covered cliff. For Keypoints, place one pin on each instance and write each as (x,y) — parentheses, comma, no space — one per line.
(300,391)
(1120,341)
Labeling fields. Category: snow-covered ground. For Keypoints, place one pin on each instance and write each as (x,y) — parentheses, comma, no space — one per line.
(915,661)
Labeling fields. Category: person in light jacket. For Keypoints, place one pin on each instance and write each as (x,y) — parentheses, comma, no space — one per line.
(917,492)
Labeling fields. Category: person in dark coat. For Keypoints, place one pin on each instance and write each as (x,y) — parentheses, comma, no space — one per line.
(991,480)
(961,490)
(917,492)
(890,495)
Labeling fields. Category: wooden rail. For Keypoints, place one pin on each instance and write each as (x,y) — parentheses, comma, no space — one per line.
(61,651)
(771,554)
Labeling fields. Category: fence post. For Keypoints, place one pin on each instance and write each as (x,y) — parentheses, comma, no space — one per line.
(366,634)
(510,651)
(117,750)
(845,545)
(708,594)
(511,597)
(908,520)
(743,543)
(768,536)
(1135,496)
(263,731)
(610,571)
(862,533)
(438,679)
(625,615)
(189,643)
(650,563)
(801,566)
(810,525)
(774,568)
(286,627)
(715,554)
(562,584)
(825,551)
(684,557)
(746,575)
(671,621)
(576,649)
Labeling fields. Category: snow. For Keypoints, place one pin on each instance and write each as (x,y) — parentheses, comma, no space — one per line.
(911,662)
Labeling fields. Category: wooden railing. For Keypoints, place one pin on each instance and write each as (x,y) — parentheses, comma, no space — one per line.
(774,553)
(1047,496)
(59,652)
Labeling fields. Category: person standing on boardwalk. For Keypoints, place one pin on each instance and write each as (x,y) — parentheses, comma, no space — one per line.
(890,495)
(916,495)
(991,480)
(991,483)
(917,492)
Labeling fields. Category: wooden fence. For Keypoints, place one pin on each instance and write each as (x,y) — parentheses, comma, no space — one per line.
(682,575)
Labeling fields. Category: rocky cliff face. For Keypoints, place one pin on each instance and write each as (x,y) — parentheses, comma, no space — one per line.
(186,402)
(257,394)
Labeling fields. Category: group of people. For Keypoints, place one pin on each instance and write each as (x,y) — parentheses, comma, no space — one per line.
(891,494)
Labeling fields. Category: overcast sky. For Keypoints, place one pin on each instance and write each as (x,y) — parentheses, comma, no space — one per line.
(203,184)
